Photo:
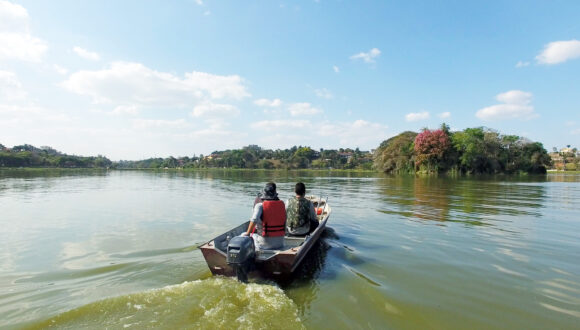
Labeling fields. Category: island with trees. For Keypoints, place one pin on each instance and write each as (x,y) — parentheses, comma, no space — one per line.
(473,150)
(476,150)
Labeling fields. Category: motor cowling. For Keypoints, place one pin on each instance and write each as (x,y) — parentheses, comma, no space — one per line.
(241,255)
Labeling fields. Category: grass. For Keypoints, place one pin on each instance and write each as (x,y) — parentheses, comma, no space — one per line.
(562,172)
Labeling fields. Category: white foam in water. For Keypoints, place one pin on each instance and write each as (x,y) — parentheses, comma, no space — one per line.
(203,304)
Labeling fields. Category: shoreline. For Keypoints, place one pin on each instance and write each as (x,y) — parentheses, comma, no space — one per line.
(312,170)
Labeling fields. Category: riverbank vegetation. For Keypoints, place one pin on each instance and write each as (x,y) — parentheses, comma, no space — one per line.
(474,150)
(255,157)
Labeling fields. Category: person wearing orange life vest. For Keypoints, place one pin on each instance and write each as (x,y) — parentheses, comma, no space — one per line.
(268,220)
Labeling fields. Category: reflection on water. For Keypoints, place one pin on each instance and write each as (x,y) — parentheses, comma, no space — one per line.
(118,249)
(472,201)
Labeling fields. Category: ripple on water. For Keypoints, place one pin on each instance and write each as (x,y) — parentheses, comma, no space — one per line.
(214,303)
(561,295)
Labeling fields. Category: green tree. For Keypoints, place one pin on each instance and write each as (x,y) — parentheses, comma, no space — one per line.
(535,158)
(470,146)
(395,155)
(265,164)
(511,149)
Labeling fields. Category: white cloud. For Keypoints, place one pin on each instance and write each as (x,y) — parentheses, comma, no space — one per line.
(10,87)
(357,133)
(268,103)
(575,132)
(126,110)
(444,115)
(305,108)
(213,110)
(522,64)
(367,57)
(416,116)
(506,111)
(206,13)
(86,54)
(199,2)
(25,115)
(336,69)
(274,125)
(323,93)
(515,97)
(16,43)
(21,47)
(515,105)
(129,83)
(559,52)
(13,17)
(158,123)
(59,69)
(229,138)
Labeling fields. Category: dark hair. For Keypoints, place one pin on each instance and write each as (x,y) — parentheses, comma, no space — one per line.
(300,189)
(271,186)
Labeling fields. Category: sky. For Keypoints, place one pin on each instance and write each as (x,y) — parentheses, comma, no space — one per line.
(139,79)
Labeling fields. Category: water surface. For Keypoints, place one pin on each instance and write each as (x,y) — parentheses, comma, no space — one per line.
(118,249)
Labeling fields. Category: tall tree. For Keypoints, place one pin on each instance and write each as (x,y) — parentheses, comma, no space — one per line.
(430,148)
(395,155)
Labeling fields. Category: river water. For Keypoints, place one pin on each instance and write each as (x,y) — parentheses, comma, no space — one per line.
(117,249)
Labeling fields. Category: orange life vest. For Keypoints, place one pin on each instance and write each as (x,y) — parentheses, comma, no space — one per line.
(273,218)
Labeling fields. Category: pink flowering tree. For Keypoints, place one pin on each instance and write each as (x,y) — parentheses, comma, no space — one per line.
(430,148)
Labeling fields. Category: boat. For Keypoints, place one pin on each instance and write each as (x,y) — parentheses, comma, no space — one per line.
(268,263)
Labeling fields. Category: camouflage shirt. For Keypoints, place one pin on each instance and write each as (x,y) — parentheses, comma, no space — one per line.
(299,211)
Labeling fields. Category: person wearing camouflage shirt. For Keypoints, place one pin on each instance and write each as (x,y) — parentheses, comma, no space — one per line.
(300,214)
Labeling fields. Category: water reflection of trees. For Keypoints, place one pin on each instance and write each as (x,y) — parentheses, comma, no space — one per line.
(563,177)
(468,200)
(42,179)
(30,173)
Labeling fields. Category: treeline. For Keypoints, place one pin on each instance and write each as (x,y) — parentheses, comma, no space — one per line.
(30,156)
(255,157)
(473,150)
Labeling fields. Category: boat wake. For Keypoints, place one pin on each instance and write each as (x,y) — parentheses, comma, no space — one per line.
(212,303)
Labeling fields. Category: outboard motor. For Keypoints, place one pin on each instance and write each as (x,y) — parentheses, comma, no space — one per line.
(241,256)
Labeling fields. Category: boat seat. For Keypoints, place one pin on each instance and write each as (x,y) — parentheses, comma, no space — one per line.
(293,241)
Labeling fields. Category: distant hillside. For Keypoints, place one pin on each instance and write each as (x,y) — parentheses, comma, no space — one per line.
(27,155)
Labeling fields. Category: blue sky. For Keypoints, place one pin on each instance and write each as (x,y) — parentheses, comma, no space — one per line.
(138,79)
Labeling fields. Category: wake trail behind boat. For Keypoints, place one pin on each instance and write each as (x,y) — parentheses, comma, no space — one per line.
(216,302)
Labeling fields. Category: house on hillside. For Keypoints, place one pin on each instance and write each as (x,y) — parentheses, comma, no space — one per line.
(565,159)
(213,156)
(346,155)
(556,157)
